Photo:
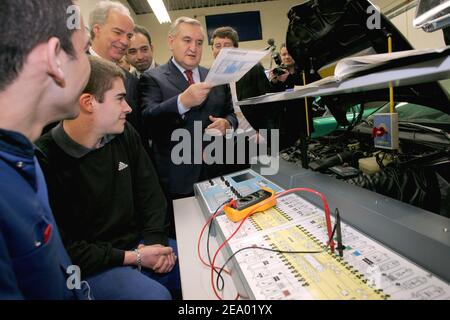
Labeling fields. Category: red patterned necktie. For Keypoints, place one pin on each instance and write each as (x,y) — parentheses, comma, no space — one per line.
(191,82)
(190,77)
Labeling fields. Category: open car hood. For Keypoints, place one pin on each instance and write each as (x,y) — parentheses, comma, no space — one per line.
(321,32)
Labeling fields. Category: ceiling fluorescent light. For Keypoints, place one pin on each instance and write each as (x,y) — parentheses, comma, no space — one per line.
(160,11)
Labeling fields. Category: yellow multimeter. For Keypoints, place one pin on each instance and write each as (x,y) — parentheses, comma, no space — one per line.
(238,209)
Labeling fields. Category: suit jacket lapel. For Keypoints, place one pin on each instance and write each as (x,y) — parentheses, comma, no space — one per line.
(203,73)
(175,77)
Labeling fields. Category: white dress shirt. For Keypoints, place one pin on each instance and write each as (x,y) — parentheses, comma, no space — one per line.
(195,74)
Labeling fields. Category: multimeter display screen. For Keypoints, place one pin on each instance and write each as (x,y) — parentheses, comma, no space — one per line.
(242,177)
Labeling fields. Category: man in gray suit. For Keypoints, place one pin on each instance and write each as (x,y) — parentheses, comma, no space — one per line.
(174,96)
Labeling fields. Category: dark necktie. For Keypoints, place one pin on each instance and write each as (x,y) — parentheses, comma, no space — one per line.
(190,77)
(191,82)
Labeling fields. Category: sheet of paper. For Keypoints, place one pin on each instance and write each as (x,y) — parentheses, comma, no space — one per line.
(351,65)
(232,64)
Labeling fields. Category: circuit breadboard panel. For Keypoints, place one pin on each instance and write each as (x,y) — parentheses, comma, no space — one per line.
(367,270)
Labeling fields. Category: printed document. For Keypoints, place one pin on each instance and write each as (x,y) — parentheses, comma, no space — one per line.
(232,64)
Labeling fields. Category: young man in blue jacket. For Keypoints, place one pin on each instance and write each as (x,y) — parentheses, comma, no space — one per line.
(43,69)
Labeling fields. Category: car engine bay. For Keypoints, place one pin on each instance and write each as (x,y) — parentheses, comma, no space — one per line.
(418,173)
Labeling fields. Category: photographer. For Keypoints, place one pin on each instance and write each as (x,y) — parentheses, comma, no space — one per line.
(285,76)
(292,115)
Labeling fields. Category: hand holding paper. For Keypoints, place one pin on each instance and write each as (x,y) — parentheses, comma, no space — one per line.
(195,94)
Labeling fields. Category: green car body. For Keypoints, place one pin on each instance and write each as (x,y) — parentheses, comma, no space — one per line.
(327,123)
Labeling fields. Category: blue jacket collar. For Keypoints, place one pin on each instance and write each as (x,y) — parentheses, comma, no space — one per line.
(18,152)
(16,143)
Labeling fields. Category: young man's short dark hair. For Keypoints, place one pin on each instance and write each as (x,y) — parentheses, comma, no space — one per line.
(228,33)
(103,74)
(26,24)
(144,31)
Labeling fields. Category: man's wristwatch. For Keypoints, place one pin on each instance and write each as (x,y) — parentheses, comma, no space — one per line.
(138,260)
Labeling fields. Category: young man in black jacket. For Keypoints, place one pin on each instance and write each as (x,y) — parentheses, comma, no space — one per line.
(106,196)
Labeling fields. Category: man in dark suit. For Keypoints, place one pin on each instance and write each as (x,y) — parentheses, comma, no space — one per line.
(253,83)
(174,96)
(112,27)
